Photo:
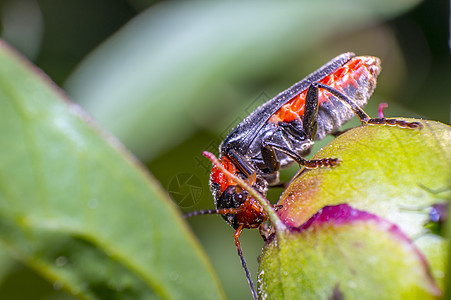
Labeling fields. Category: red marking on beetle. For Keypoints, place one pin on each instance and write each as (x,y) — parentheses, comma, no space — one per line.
(346,75)
(252,214)
(217,176)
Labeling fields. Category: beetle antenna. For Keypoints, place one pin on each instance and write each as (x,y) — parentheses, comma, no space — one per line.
(224,211)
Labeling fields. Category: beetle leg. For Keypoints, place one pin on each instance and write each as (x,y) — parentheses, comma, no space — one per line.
(364,118)
(309,123)
(236,235)
(282,185)
(242,164)
(289,134)
(309,164)
(270,157)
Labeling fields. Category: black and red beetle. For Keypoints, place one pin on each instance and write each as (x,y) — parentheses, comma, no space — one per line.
(283,130)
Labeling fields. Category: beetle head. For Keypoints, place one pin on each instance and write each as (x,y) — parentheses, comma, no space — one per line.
(227,194)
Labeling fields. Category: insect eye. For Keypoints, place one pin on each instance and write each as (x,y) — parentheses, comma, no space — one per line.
(240,197)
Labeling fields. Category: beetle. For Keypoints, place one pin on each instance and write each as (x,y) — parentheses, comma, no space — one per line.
(283,130)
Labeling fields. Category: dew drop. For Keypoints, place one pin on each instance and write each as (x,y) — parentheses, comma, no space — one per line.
(173,276)
(61,261)
(439,274)
(57,285)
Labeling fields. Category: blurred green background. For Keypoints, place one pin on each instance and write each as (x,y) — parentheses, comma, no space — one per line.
(172,78)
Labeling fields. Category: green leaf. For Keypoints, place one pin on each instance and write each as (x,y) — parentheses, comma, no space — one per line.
(175,63)
(76,207)
(385,171)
